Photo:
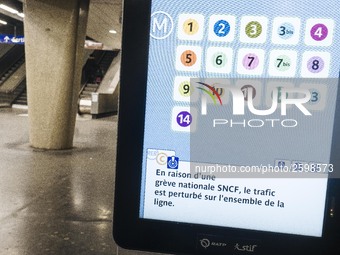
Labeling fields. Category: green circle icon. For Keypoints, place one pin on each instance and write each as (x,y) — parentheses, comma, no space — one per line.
(253,29)
(219,60)
(283,63)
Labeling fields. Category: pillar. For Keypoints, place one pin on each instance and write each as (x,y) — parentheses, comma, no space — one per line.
(54,43)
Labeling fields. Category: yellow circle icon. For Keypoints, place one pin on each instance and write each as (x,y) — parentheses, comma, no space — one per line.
(185,89)
(191,26)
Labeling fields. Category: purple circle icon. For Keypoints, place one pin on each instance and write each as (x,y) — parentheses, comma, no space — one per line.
(250,61)
(315,64)
(319,32)
(184,119)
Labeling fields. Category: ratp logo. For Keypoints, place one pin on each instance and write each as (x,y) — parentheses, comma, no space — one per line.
(205,243)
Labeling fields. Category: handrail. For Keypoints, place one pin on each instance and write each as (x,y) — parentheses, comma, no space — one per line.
(11,58)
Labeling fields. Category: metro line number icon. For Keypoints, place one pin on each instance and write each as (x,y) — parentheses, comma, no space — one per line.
(161,25)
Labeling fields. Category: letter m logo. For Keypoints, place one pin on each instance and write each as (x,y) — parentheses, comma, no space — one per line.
(161,25)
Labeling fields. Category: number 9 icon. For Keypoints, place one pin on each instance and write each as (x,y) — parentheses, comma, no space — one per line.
(185,89)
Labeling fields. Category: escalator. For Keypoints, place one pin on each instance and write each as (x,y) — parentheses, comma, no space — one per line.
(102,60)
(12,64)
(20,95)
(13,78)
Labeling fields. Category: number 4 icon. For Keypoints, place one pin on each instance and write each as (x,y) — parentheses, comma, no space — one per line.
(319,32)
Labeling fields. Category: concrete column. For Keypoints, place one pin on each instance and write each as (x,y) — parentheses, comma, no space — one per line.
(54,44)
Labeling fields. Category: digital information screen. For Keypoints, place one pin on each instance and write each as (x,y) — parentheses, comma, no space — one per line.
(240,111)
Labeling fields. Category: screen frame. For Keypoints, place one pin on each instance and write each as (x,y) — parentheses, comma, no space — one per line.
(132,232)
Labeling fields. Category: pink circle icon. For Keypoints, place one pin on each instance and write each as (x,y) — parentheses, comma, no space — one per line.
(250,61)
(319,32)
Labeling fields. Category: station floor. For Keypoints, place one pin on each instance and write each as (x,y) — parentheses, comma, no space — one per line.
(57,202)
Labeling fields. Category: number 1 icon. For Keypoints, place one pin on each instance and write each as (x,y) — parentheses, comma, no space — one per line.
(190,26)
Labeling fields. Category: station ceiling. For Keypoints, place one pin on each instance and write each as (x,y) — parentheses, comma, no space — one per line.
(104,16)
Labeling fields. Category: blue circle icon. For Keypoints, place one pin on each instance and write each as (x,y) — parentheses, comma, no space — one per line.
(222,28)
(286,31)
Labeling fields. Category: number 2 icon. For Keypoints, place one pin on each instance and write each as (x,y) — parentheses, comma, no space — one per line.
(222,28)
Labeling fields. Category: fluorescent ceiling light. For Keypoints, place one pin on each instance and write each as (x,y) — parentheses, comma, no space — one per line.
(3,22)
(113,31)
(9,9)
(21,15)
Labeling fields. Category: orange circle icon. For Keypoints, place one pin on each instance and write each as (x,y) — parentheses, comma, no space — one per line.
(188,58)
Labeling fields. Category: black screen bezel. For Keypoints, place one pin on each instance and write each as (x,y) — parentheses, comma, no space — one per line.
(181,238)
